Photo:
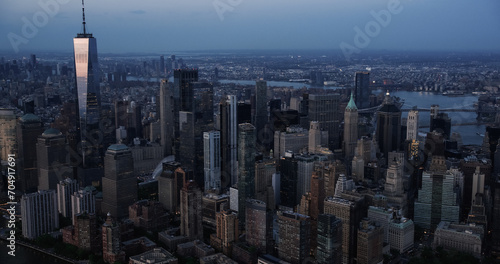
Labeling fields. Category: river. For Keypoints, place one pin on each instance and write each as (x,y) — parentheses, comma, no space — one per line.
(23,255)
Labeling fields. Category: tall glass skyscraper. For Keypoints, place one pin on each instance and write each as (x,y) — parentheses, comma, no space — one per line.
(88,93)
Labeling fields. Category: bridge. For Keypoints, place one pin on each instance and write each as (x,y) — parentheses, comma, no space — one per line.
(458,108)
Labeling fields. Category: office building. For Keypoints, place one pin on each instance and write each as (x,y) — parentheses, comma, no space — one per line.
(294,237)
(191,211)
(212,202)
(39,213)
(362,90)
(212,160)
(246,167)
(388,131)
(441,123)
(370,242)
(119,186)
(258,226)
(8,123)
(227,230)
(437,200)
(260,117)
(87,74)
(325,109)
(412,125)
(295,139)
(459,237)
(166,117)
(317,138)
(329,239)
(52,159)
(65,189)
(111,241)
(350,129)
(169,186)
(29,127)
(229,140)
(82,201)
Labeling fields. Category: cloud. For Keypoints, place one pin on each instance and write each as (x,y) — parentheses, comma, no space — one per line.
(138,12)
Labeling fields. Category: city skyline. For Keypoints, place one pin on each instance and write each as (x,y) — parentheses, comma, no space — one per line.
(238,25)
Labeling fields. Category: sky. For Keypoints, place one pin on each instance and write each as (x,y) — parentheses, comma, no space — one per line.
(163,26)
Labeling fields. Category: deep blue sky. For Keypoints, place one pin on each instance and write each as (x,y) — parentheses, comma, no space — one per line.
(163,26)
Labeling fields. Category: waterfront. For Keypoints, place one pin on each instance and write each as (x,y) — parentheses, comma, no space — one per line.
(23,254)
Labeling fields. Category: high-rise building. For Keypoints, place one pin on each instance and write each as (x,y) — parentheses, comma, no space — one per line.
(350,129)
(329,249)
(229,140)
(258,225)
(166,117)
(260,118)
(212,160)
(325,109)
(288,168)
(305,168)
(227,230)
(442,124)
(388,132)
(264,170)
(128,115)
(191,211)
(477,184)
(370,242)
(349,213)
(437,200)
(29,127)
(294,237)
(82,201)
(330,171)
(362,89)
(119,186)
(168,186)
(111,241)
(88,94)
(295,139)
(8,123)
(317,138)
(212,203)
(65,189)
(246,167)
(393,187)
(182,98)
(412,125)
(469,166)
(52,159)
(39,213)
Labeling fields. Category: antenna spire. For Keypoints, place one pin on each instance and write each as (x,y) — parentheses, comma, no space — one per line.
(83,13)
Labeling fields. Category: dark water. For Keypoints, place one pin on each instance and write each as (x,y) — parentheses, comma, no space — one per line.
(23,255)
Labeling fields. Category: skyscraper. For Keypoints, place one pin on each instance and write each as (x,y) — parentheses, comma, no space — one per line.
(52,159)
(388,132)
(229,140)
(260,117)
(226,230)
(29,127)
(168,186)
(295,234)
(65,189)
(350,129)
(362,89)
(212,160)
(258,225)
(39,213)
(412,125)
(119,186)
(7,132)
(166,117)
(317,137)
(246,167)
(88,93)
(111,241)
(370,242)
(329,249)
(324,108)
(191,211)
